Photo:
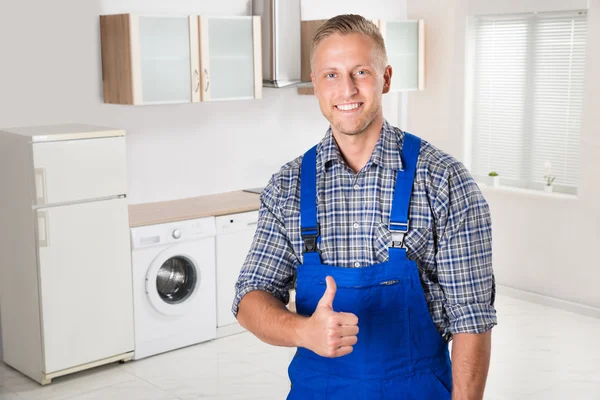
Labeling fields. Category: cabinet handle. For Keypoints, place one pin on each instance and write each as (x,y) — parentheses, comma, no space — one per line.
(252,223)
(207,80)
(40,186)
(197,76)
(43,229)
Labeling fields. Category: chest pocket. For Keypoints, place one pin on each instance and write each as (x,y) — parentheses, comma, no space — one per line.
(416,241)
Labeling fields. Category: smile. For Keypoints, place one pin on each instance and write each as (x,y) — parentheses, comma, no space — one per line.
(349,106)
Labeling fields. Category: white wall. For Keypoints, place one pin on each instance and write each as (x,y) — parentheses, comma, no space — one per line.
(544,244)
(51,74)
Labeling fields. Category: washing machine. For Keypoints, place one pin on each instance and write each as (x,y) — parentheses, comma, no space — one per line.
(174,285)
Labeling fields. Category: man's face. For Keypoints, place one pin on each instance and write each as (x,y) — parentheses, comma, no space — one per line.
(349,80)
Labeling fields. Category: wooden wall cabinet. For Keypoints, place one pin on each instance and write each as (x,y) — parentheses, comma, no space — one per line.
(149,59)
(405,46)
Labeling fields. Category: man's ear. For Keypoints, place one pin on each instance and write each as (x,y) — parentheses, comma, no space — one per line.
(314,83)
(387,79)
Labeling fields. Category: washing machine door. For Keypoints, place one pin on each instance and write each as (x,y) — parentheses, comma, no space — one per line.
(172,281)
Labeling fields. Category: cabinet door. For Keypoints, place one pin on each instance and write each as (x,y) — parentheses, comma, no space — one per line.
(164,50)
(230,58)
(405,46)
(74,170)
(234,238)
(85,282)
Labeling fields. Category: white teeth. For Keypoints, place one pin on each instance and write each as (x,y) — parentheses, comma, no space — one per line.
(348,107)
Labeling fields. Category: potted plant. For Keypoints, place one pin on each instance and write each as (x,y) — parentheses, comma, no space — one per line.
(548,177)
(495,178)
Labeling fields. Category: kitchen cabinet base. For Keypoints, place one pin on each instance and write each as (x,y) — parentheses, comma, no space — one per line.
(45,379)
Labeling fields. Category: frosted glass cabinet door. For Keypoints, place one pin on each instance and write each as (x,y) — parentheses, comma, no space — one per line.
(404,42)
(230,58)
(165,59)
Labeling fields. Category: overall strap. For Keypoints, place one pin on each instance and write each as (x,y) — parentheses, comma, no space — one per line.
(399,222)
(309,227)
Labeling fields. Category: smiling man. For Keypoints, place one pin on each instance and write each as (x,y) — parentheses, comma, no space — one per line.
(386,239)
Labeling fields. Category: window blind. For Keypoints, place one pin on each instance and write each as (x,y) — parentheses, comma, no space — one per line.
(528,97)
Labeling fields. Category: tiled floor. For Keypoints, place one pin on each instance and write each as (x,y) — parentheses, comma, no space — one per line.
(538,353)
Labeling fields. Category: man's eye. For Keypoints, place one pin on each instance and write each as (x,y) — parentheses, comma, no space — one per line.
(361,72)
(330,75)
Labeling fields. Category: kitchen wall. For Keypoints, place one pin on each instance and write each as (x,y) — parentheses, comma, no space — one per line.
(543,243)
(51,74)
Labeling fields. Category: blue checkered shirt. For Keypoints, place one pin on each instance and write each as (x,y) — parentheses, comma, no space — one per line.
(450,235)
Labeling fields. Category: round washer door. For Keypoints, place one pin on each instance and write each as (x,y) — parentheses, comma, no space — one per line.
(172,281)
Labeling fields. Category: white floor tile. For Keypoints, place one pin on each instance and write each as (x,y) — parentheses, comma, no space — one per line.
(68,386)
(6,394)
(136,389)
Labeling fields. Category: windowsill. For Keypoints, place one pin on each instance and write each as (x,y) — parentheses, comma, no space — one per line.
(527,192)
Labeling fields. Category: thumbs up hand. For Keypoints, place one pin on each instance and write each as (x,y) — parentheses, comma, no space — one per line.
(329,333)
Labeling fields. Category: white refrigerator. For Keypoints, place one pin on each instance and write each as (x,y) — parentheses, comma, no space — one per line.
(65,262)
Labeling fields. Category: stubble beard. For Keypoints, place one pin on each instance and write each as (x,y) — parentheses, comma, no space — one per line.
(364,123)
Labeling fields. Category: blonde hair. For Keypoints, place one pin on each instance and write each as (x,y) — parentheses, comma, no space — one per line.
(350,23)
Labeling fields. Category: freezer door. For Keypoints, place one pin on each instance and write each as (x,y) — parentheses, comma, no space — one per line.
(85,282)
(74,170)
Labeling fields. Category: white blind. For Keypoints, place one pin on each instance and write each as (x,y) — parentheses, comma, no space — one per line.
(527,100)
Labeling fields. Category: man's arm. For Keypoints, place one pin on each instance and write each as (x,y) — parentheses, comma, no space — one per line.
(465,274)
(269,320)
(326,332)
(470,363)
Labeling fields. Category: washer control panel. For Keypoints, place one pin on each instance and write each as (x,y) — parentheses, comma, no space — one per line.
(155,235)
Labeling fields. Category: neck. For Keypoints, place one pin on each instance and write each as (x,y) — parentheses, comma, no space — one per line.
(357,149)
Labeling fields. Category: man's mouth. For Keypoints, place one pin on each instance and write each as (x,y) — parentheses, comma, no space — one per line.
(349,106)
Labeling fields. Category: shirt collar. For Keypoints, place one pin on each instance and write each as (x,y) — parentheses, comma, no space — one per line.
(329,150)
(386,153)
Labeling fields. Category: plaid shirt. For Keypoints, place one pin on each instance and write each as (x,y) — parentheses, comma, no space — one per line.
(450,235)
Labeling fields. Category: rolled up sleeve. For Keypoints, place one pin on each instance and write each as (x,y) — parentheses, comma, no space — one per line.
(464,253)
(271,262)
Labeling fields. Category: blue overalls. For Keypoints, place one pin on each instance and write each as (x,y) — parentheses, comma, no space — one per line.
(399,354)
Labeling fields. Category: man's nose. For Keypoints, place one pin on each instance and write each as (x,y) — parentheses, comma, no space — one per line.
(349,87)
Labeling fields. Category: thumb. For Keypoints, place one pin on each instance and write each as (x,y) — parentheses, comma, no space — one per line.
(328,296)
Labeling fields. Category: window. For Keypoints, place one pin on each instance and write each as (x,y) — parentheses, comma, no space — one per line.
(528,98)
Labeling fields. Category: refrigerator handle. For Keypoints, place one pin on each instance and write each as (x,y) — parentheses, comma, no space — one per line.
(40,186)
(43,229)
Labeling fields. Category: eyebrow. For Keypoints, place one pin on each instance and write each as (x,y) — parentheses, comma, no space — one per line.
(335,69)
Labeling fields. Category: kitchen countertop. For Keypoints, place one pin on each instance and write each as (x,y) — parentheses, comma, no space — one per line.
(193,207)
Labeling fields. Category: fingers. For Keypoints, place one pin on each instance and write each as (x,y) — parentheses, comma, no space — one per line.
(338,339)
(348,330)
(348,341)
(329,295)
(347,319)
(338,351)
(342,351)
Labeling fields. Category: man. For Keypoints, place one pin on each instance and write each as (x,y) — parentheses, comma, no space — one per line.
(387,240)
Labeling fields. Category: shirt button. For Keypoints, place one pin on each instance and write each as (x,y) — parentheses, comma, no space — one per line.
(356,187)
(356,225)
(357,264)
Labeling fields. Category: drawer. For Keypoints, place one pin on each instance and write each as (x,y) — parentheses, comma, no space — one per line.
(75,170)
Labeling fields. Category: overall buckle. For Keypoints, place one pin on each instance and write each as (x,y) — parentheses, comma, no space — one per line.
(398,239)
(310,235)
(398,231)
